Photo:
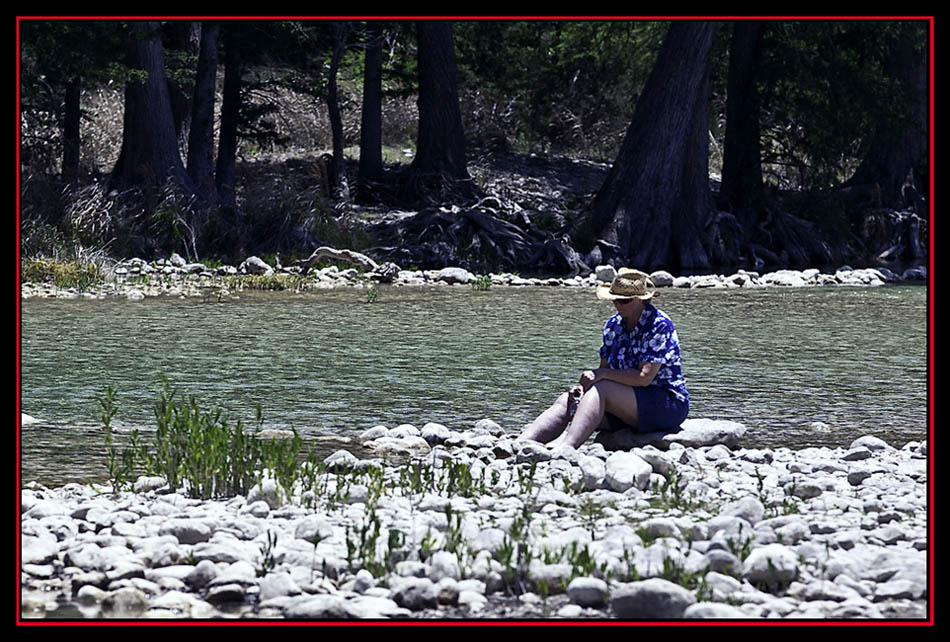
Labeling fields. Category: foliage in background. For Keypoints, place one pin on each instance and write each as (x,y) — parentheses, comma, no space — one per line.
(564,87)
(554,87)
(823,89)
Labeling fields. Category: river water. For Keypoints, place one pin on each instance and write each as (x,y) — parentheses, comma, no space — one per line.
(800,367)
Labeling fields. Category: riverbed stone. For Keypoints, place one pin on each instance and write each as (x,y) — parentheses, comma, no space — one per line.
(856,453)
(772,565)
(527,451)
(748,508)
(35,550)
(125,602)
(588,591)
(255,265)
(625,470)
(712,611)
(594,471)
(654,598)
(605,273)
(661,279)
(455,275)
(186,531)
(415,593)
(849,551)
(443,564)
(434,433)
(277,584)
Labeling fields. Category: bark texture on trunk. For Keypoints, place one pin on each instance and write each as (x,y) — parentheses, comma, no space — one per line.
(441,142)
(149,154)
(656,199)
(226,169)
(371,126)
(741,191)
(71,124)
(338,183)
(201,135)
(898,148)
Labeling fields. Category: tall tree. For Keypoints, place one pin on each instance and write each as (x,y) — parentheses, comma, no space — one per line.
(59,58)
(182,41)
(149,154)
(742,189)
(201,135)
(226,170)
(440,147)
(897,147)
(72,119)
(655,199)
(371,125)
(338,183)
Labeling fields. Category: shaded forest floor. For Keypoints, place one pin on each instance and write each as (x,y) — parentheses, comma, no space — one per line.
(525,218)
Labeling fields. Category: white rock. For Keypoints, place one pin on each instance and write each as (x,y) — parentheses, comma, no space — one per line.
(713,610)
(870,442)
(588,591)
(594,471)
(455,275)
(254,265)
(605,273)
(772,565)
(625,470)
(661,279)
(443,564)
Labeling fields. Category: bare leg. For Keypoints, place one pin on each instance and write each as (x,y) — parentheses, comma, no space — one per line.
(550,423)
(604,396)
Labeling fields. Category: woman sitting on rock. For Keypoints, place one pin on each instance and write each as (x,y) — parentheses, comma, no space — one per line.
(639,384)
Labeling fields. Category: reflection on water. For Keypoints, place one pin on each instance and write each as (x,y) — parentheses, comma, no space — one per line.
(330,364)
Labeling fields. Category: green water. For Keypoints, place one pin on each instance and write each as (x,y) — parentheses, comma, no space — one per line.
(332,365)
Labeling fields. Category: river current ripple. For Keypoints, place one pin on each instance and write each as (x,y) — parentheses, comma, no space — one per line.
(800,367)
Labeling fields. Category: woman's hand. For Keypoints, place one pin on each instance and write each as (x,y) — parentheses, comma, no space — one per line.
(589,378)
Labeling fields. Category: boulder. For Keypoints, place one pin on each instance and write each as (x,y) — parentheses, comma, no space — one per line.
(605,273)
(625,470)
(662,279)
(652,599)
(773,565)
(254,265)
(455,275)
(694,433)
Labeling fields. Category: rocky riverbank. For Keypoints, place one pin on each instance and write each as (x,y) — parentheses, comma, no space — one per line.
(433,522)
(136,279)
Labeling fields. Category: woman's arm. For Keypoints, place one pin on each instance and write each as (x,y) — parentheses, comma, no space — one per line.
(639,377)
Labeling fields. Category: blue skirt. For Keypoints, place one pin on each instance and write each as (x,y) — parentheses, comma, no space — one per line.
(658,410)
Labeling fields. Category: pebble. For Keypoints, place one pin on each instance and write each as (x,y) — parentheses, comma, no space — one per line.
(586,535)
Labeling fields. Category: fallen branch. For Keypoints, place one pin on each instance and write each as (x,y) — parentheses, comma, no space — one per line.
(342,256)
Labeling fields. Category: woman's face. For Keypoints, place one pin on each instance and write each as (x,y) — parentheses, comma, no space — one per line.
(629,308)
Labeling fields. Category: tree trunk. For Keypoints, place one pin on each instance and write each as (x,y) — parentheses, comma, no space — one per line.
(897,148)
(742,191)
(149,154)
(182,38)
(440,147)
(371,124)
(656,199)
(71,123)
(226,171)
(201,134)
(338,184)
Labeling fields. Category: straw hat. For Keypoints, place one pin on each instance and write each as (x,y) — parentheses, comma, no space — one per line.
(628,284)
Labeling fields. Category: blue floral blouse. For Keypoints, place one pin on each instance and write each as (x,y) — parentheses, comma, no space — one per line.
(654,339)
